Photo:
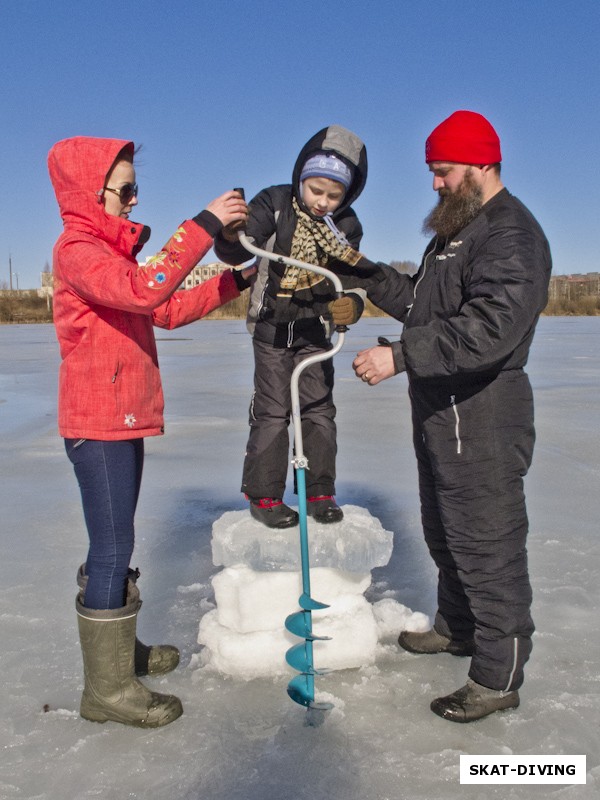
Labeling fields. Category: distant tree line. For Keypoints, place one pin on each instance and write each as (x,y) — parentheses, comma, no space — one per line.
(24,306)
(569,295)
(574,295)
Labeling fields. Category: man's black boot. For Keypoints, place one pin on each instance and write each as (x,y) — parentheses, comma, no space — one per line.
(431,642)
(472,702)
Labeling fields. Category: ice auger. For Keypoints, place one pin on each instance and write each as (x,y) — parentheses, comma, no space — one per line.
(300,657)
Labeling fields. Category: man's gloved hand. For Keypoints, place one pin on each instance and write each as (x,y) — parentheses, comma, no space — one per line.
(347,310)
(350,256)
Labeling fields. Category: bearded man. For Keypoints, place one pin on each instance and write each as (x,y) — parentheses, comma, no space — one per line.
(469,317)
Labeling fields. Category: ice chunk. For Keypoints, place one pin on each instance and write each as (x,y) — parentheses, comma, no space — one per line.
(349,622)
(356,544)
(392,617)
(243,655)
(248,600)
(259,587)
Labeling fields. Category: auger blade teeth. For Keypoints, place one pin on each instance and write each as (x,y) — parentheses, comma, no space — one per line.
(321,706)
(308,604)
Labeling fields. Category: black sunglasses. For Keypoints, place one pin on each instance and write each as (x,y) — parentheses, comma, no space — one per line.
(126,193)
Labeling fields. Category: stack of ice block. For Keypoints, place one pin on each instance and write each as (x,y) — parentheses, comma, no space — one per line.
(261,582)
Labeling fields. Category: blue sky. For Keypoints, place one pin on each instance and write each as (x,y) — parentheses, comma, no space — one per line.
(225,94)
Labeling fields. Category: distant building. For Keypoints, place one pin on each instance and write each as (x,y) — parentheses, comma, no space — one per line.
(47,284)
(202,273)
(572,287)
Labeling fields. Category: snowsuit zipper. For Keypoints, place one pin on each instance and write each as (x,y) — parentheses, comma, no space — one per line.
(422,275)
(515,663)
(456,424)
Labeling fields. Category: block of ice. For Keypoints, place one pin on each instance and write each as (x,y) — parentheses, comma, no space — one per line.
(350,623)
(392,617)
(246,656)
(356,544)
(248,600)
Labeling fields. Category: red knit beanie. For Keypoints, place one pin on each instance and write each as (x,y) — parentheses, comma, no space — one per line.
(465,138)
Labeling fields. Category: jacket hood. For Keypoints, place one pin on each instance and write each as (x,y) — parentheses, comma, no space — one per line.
(343,143)
(78,168)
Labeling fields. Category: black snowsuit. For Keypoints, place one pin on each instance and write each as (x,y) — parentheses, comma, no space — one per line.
(469,318)
(287,330)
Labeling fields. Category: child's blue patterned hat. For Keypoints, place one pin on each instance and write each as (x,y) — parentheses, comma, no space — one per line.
(327,165)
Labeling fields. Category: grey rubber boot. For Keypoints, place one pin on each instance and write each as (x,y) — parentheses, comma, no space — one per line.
(112,690)
(155,659)
(473,701)
(431,642)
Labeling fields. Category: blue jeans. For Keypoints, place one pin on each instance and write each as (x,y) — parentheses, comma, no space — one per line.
(109,476)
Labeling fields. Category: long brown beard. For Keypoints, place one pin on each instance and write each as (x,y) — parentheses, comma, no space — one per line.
(455,211)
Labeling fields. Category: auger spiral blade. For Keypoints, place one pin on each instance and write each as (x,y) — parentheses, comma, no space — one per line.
(299,659)
(300,625)
(308,604)
(301,690)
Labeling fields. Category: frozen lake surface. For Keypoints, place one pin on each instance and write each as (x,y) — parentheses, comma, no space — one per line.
(245,740)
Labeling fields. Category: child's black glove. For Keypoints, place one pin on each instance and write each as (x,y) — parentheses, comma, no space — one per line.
(347,310)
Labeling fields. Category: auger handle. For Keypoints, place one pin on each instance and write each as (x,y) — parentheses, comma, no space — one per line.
(292,262)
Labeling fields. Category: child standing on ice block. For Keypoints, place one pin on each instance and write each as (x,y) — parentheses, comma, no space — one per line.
(310,220)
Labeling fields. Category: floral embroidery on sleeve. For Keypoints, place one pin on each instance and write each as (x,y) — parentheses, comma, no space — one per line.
(159,266)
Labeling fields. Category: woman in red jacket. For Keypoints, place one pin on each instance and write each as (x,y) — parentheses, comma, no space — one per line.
(110,395)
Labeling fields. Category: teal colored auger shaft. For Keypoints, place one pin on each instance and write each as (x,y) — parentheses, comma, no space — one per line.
(301,689)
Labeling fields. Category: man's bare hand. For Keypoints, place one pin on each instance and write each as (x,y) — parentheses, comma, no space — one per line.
(374,365)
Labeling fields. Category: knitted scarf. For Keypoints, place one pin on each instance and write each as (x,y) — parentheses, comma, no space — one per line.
(316,242)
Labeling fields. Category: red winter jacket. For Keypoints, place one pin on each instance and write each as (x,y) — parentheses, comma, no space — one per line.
(105,303)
